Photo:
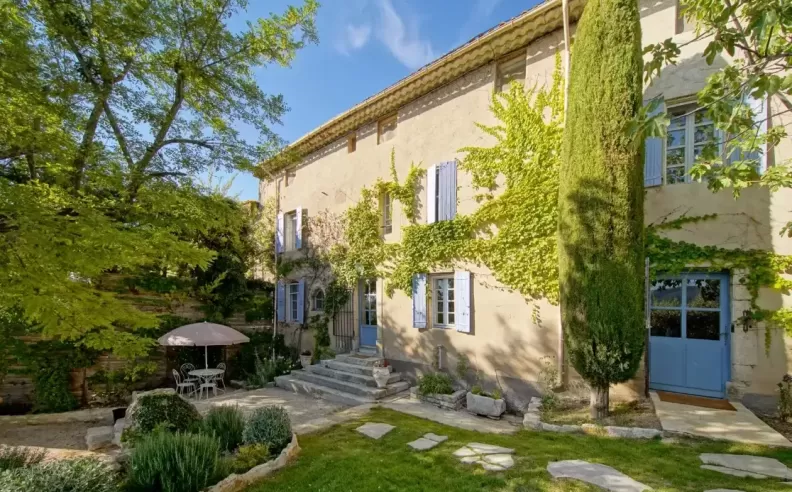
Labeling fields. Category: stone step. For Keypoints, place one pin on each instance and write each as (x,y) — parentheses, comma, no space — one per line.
(355,389)
(339,366)
(360,360)
(361,379)
(304,387)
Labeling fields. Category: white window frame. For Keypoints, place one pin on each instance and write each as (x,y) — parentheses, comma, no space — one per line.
(690,145)
(292,295)
(446,312)
(290,231)
(314,297)
(387,213)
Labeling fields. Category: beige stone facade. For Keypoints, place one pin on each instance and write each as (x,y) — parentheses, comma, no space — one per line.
(505,337)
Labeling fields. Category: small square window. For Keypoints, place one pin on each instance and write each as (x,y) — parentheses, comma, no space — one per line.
(318,300)
(386,129)
(510,70)
(444,301)
(351,143)
(683,24)
(290,176)
(387,213)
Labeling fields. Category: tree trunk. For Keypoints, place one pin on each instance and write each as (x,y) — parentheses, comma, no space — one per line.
(599,403)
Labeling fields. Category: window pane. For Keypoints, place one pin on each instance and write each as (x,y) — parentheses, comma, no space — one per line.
(440,289)
(701,117)
(373,318)
(679,121)
(450,283)
(439,318)
(440,307)
(703,134)
(451,317)
(666,293)
(703,325)
(675,175)
(450,294)
(703,293)
(450,308)
(666,323)
(675,157)
(675,138)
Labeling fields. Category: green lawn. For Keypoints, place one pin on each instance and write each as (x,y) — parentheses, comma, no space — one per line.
(341,459)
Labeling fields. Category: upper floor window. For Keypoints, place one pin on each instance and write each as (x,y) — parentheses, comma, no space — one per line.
(351,143)
(318,300)
(386,129)
(688,133)
(387,213)
(682,24)
(290,231)
(509,70)
(290,176)
(441,192)
(444,300)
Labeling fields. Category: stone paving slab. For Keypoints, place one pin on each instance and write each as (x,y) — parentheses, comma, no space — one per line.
(732,472)
(753,464)
(600,475)
(503,460)
(488,448)
(375,430)
(460,420)
(422,444)
(435,437)
(739,426)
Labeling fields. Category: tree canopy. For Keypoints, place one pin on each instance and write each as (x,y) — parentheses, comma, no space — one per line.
(111,111)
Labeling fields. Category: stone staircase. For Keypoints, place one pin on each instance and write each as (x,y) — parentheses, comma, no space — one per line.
(346,379)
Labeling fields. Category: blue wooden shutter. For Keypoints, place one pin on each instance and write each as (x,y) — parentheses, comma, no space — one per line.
(279,234)
(431,194)
(419,300)
(653,155)
(462,302)
(451,189)
(298,228)
(281,301)
(761,112)
(301,301)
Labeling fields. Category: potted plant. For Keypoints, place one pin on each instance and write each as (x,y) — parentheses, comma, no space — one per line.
(305,358)
(491,405)
(381,372)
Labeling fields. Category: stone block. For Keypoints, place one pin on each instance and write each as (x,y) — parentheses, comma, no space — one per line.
(422,444)
(564,429)
(118,430)
(633,432)
(99,437)
(532,420)
(375,430)
(483,405)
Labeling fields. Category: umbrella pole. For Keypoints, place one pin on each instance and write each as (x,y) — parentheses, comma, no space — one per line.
(206,356)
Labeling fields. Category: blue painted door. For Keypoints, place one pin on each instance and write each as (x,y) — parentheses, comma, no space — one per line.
(368,313)
(689,334)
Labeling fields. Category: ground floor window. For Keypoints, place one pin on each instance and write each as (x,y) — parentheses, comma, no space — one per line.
(443,292)
(294,307)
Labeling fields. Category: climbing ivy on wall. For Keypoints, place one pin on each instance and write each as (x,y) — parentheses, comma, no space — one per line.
(405,193)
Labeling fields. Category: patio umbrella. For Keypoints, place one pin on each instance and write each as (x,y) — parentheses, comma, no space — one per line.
(202,335)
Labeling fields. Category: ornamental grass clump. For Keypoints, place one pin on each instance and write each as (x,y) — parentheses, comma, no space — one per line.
(12,457)
(270,426)
(167,462)
(226,424)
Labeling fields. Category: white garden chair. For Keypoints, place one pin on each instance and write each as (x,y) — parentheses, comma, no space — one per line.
(185,372)
(219,379)
(181,387)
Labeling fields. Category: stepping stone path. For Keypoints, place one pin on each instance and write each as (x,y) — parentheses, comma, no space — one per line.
(428,441)
(743,465)
(375,430)
(600,475)
(491,458)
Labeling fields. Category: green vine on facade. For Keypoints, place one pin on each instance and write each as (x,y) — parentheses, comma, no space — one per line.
(513,232)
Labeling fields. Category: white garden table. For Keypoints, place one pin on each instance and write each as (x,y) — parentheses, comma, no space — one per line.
(206,376)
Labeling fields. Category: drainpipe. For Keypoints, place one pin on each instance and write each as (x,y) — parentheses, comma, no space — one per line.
(561,363)
(275,297)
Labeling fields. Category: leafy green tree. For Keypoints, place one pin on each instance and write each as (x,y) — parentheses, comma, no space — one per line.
(754,37)
(600,208)
(110,109)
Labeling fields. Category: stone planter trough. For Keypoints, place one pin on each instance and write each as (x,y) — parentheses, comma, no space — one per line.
(484,405)
(454,401)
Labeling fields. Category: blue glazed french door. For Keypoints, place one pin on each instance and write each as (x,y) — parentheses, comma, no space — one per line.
(689,334)
(368,313)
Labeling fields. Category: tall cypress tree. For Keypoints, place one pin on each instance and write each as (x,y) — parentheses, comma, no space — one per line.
(601,201)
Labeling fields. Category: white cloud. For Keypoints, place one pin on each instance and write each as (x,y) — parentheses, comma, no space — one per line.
(354,38)
(403,41)
(479,15)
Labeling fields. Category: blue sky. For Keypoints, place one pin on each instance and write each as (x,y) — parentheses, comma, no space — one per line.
(364,46)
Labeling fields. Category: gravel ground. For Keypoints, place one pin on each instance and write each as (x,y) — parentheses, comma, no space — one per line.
(61,436)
